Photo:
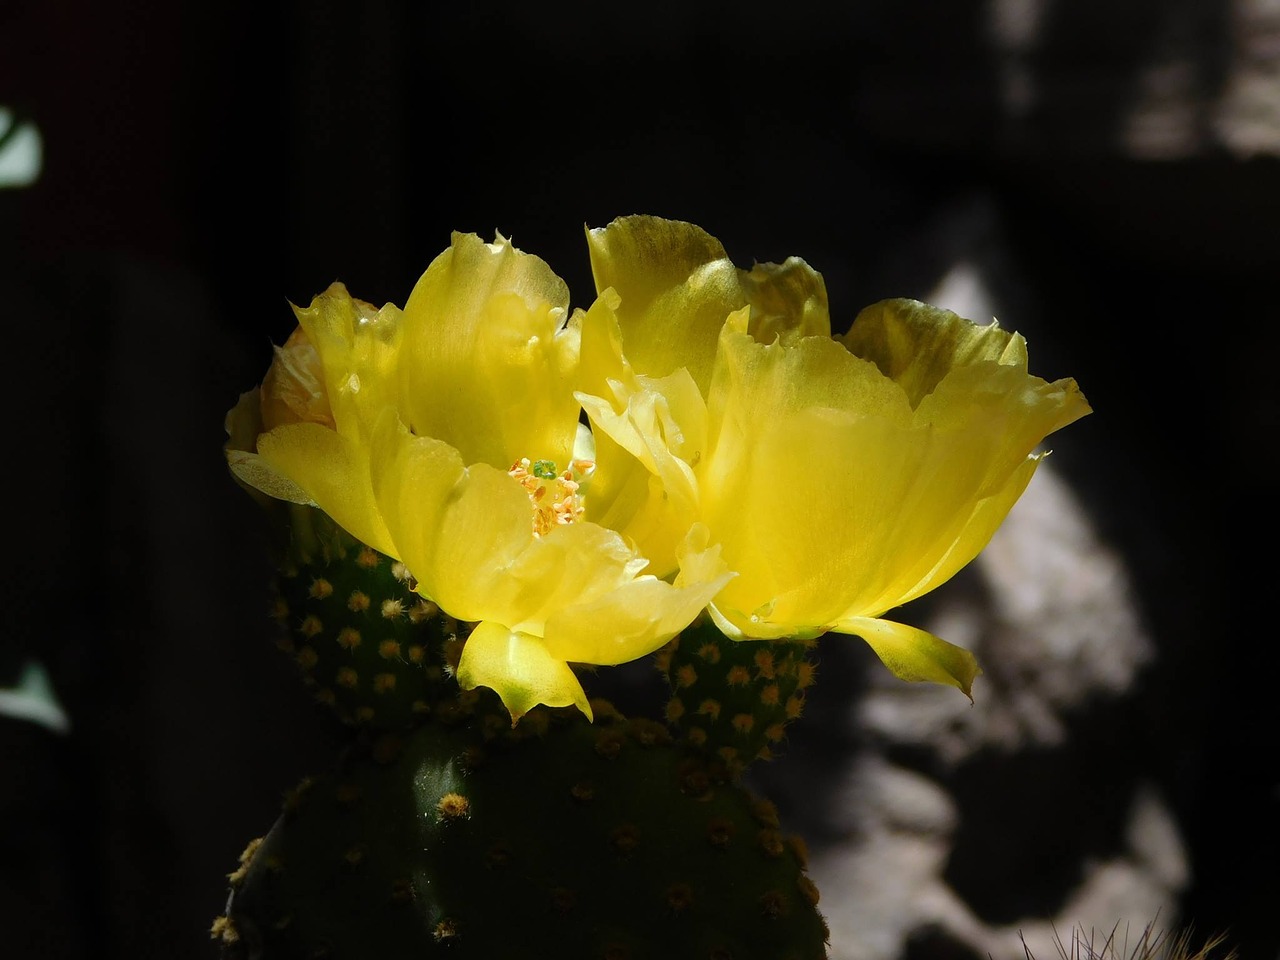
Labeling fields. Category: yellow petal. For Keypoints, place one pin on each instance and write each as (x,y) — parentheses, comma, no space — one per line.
(787,299)
(967,539)
(916,345)
(521,670)
(251,469)
(359,348)
(646,487)
(332,469)
(626,497)
(602,369)
(243,425)
(456,528)
(488,359)
(638,616)
(648,432)
(573,594)
(466,534)
(1016,411)
(576,563)
(912,654)
(809,461)
(834,499)
(677,286)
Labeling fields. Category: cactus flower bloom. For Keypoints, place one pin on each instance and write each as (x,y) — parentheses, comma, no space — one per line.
(304,436)
(447,436)
(842,477)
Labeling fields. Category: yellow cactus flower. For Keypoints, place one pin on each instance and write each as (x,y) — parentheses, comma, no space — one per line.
(304,435)
(666,288)
(842,477)
(447,436)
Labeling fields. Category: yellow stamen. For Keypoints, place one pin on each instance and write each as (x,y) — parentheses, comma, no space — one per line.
(554,496)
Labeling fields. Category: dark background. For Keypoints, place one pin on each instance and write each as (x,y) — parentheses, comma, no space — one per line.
(206,163)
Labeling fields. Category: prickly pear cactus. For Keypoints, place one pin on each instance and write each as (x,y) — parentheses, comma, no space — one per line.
(447,831)
(558,840)
(733,700)
(367,645)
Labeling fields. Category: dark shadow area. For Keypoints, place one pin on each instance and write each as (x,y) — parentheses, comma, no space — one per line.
(1027,824)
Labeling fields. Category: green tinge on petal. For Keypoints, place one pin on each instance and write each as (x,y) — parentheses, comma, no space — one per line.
(787,299)
(677,285)
(521,669)
(914,655)
(736,625)
(333,470)
(916,344)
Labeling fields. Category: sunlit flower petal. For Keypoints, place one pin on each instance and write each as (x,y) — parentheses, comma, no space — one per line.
(317,408)
(643,612)
(677,285)
(842,477)
(333,470)
(579,591)
(521,668)
(648,431)
(358,347)
(448,437)
(488,359)
(912,654)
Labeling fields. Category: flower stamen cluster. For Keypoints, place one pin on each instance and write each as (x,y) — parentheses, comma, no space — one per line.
(556,497)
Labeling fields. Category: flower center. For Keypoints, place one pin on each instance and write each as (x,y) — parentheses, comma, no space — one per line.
(555,496)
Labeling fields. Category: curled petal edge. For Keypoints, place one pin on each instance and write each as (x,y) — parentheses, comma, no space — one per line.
(637,617)
(915,655)
(520,668)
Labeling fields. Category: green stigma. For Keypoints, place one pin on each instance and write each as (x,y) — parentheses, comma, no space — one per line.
(544,469)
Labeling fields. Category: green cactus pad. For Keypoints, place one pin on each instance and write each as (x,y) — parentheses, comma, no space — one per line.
(368,646)
(733,699)
(578,842)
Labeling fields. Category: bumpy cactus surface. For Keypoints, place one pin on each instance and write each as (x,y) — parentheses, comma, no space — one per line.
(734,700)
(559,839)
(447,831)
(367,645)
